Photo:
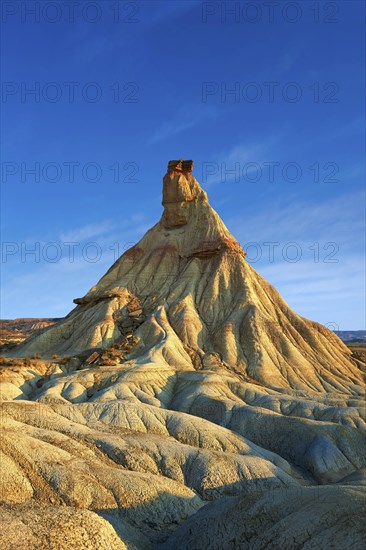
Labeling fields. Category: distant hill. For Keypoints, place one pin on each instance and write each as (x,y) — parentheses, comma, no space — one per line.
(351,335)
(14,331)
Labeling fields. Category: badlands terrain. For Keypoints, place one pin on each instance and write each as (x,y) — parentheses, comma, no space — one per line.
(182,405)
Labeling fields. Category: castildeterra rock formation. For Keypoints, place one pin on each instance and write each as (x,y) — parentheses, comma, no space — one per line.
(183,405)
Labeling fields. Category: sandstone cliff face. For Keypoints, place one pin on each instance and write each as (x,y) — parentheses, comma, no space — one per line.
(210,389)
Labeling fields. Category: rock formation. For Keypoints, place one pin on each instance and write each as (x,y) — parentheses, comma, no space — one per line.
(186,395)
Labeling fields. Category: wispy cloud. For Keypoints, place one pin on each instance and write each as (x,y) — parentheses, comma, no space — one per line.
(330,293)
(86,232)
(327,283)
(242,154)
(339,219)
(170,129)
(187,117)
(45,287)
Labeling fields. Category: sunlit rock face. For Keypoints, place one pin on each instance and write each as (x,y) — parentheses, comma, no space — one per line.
(184,394)
(181,195)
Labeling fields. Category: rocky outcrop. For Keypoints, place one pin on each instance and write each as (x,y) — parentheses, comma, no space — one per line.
(214,247)
(181,194)
(180,165)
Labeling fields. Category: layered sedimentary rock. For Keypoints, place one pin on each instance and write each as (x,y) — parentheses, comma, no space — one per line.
(187,407)
(189,272)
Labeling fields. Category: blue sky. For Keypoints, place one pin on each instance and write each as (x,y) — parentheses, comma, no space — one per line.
(268,101)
